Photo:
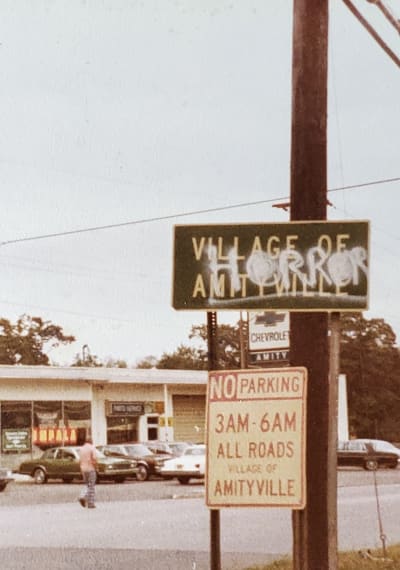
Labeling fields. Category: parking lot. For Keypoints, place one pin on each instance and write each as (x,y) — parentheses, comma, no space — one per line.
(24,491)
(165,525)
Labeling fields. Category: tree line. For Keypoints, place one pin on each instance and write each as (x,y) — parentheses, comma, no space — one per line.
(369,357)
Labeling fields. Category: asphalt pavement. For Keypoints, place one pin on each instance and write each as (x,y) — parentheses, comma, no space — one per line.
(162,525)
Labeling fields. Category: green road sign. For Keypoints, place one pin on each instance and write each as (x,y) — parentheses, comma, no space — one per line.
(316,265)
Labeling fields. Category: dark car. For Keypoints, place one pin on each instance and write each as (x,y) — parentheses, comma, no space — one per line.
(5,477)
(63,463)
(148,463)
(369,454)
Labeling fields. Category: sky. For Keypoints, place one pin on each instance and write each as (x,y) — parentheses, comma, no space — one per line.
(117,111)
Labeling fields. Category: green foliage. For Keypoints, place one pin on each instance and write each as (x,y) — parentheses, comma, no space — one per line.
(196,358)
(184,358)
(115,363)
(87,361)
(371,362)
(147,362)
(27,341)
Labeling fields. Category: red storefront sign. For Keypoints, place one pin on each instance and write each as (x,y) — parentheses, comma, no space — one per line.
(54,436)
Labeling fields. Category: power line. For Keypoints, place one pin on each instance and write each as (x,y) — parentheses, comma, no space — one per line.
(184,214)
(372,32)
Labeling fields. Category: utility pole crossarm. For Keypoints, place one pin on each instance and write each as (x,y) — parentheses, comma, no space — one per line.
(373,32)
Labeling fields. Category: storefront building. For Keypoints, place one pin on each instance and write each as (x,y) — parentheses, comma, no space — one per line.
(43,406)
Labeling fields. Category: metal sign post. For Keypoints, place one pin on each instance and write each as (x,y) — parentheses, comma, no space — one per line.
(215,534)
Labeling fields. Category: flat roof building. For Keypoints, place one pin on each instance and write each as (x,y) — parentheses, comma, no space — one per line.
(45,406)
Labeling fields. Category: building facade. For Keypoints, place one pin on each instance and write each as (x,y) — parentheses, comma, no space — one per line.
(44,406)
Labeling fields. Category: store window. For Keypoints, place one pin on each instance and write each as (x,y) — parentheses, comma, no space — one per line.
(16,414)
(77,420)
(122,429)
(43,423)
(16,425)
(60,423)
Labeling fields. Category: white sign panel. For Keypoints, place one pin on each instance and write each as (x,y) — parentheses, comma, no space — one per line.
(268,330)
(256,438)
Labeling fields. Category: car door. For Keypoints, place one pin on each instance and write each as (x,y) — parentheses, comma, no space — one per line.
(357,453)
(66,464)
(48,461)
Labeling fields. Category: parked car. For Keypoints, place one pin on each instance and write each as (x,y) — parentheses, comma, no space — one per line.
(367,453)
(174,448)
(148,463)
(158,447)
(381,445)
(63,463)
(5,477)
(190,465)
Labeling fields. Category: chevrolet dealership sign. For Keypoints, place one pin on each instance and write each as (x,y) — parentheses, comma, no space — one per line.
(294,266)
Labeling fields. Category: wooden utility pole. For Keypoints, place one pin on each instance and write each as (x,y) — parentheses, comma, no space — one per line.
(314,538)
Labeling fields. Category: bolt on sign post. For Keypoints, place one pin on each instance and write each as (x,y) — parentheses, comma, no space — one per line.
(256,421)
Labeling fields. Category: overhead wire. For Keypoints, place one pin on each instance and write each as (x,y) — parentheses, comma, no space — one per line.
(184,214)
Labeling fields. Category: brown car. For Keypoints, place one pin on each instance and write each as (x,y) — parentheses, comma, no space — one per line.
(148,463)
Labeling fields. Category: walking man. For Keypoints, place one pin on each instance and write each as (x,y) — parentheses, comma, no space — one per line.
(88,463)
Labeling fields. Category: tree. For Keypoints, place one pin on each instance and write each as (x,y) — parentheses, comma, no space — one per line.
(147,362)
(115,363)
(184,358)
(371,361)
(87,361)
(27,341)
(196,358)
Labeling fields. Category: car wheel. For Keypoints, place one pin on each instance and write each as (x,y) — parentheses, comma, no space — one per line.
(119,479)
(39,476)
(371,465)
(183,480)
(142,473)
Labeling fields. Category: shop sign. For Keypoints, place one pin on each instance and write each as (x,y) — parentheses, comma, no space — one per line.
(16,440)
(268,357)
(54,436)
(268,330)
(165,421)
(125,408)
(256,424)
(319,265)
(154,407)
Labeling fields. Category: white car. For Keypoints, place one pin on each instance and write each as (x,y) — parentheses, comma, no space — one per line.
(190,465)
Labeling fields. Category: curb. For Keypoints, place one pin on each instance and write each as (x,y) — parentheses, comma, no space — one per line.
(18,478)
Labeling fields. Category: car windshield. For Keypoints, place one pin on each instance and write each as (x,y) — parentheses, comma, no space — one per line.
(138,449)
(195,451)
(178,447)
(385,446)
(100,454)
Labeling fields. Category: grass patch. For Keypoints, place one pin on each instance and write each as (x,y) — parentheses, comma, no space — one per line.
(369,560)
